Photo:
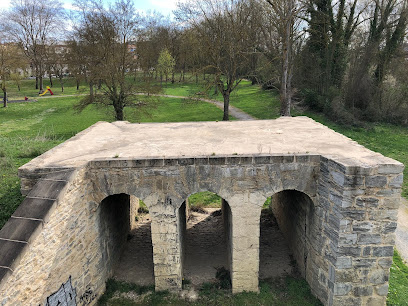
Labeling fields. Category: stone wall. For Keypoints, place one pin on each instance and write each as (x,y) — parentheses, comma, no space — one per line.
(294,212)
(354,219)
(113,228)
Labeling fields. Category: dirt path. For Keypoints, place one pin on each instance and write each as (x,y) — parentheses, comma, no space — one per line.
(205,250)
(402,230)
(233,111)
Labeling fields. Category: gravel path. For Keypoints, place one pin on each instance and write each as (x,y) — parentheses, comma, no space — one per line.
(402,230)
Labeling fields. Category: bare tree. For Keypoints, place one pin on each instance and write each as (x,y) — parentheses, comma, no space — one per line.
(285,15)
(103,36)
(221,29)
(34,23)
(12,61)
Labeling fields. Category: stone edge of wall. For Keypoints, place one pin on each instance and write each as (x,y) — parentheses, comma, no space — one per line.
(27,221)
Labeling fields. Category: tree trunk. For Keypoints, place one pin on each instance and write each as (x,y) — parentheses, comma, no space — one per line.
(4,98)
(226,96)
(41,83)
(36,82)
(172,77)
(118,105)
(18,86)
(62,84)
(91,90)
(285,84)
(51,84)
(77,84)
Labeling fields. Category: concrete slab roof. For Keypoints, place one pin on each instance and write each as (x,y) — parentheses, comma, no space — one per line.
(298,135)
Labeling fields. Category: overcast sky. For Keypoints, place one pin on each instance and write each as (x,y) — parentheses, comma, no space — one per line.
(163,6)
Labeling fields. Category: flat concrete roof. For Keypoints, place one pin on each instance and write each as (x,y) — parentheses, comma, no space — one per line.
(297,135)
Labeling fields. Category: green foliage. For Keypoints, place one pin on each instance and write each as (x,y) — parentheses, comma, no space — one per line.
(165,63)
(205,199)
(398,293)
(114,286)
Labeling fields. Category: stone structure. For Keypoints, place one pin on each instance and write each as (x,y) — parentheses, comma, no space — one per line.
(335,201)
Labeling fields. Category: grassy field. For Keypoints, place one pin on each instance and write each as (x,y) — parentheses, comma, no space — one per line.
(29,129)
(285,291)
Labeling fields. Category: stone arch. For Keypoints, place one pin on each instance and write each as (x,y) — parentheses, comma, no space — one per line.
(120,240)
(294,212)
(108,186)
(206,241)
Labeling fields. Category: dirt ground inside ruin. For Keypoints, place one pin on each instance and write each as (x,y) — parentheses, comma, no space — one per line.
(206,250)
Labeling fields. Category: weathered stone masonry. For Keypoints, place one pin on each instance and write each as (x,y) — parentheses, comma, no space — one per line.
(338,215)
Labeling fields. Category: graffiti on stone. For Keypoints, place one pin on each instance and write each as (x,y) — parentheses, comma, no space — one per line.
(65,296)
(87,297)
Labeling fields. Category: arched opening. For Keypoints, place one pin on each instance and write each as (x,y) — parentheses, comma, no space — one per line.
(205,220)
(125,235)
(285,240)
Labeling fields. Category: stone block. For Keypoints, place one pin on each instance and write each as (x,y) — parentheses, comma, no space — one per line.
(262,160)
(4,273)
(347,301)
(35,209)
(396,181)
(390,169)
(355,181)
(354,214)
(19,229)
(342,288)
(382,290)
(386,251)
(47,189)
(376,301)
(349,251)
(65,175)
(389,227)
(377,277)
(363,262)
(368,202)
(199,161)
(343,263)
(385,263)
(363,291)
(217,160)
(377,181)
(364,226)
(383,215)
(369,238)
(391,203)
(367,251)
(347,276)
(10,253)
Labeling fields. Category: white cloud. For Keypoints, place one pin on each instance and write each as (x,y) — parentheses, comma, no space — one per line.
(165,4)
(4,4)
